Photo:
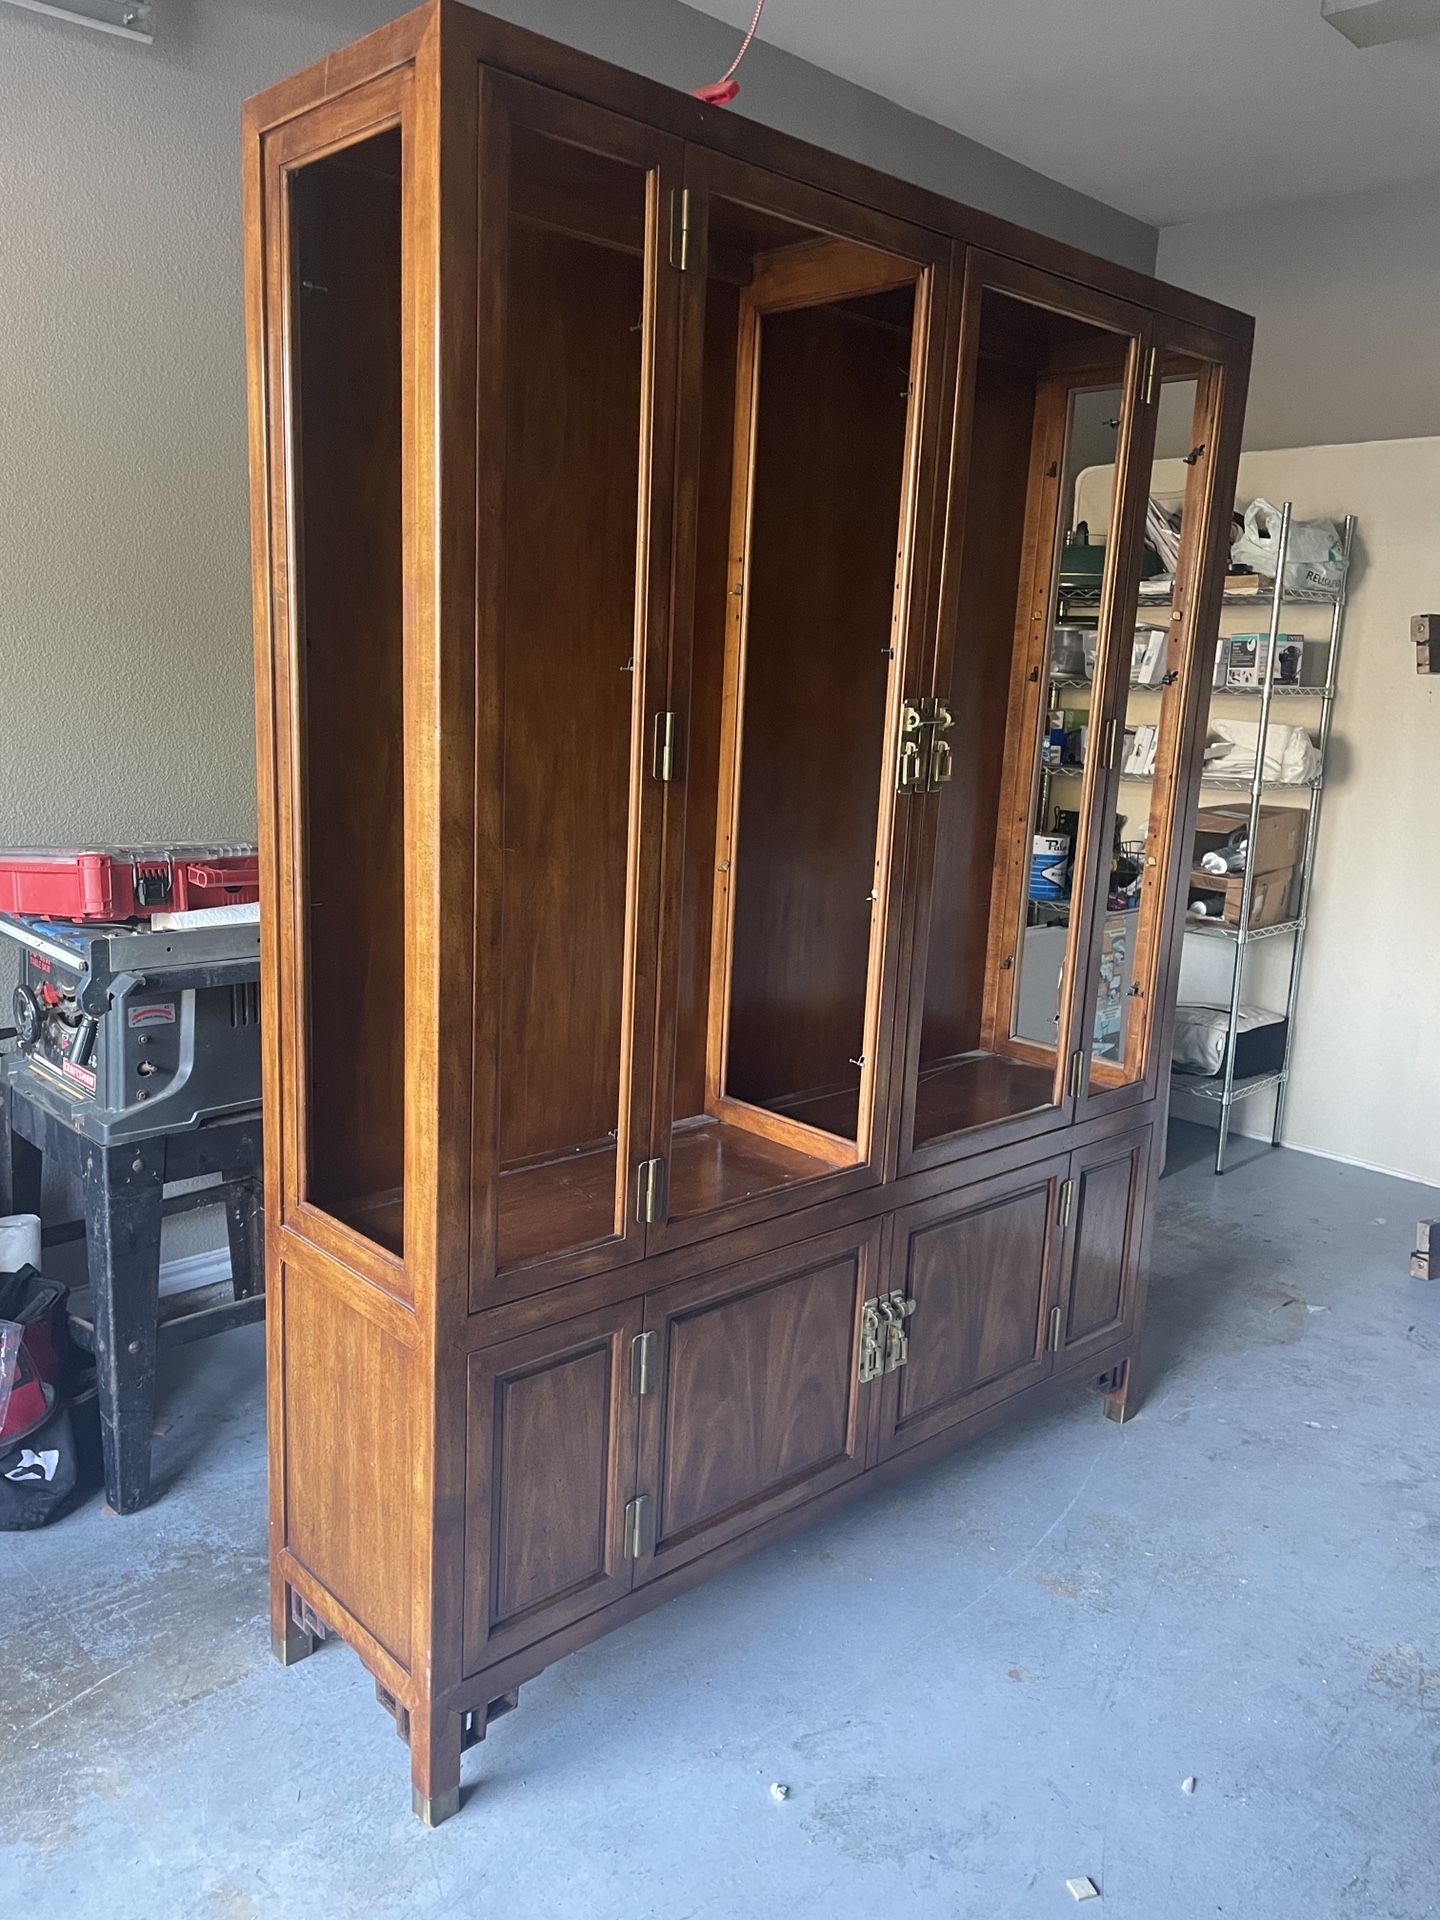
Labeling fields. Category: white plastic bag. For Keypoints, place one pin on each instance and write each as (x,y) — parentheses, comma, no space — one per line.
(1314,559)
(1291,756)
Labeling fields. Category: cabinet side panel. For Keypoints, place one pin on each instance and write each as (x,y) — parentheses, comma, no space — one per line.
(349,1394)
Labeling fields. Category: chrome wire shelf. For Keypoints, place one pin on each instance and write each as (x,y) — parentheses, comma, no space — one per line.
(1226,1087)
(1242,936)
(1213,1086)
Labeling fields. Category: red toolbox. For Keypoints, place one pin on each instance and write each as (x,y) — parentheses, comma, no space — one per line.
(126,883)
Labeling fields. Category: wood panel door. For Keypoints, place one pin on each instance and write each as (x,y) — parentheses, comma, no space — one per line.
(550,1466)
(579,308)
(1102,1242)
(981,1267)
(813,384)
(753,1402)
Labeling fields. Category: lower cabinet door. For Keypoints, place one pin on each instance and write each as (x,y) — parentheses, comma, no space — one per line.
(1102,1259)
(981,1267)
(550,1468)
(752,1401)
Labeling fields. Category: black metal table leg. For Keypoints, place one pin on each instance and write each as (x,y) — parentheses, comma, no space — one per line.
(123,1188)
(26,1169)
(244,1228)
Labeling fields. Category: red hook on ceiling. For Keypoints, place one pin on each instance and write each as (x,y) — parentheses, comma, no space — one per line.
(722,91)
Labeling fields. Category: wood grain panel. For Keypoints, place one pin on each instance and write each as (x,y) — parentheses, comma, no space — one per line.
(351,1394)
(828,469)
(980,1269)
(707,677)
(574,399)
(346,333)
(551,1442)
(756,1404)
(1104,1233)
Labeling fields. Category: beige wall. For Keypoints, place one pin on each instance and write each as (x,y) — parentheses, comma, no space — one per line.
(1366,1059)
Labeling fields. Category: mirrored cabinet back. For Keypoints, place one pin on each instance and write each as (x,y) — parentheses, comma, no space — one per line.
(723,827)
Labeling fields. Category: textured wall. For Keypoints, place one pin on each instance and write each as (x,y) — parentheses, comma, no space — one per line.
(1345,292)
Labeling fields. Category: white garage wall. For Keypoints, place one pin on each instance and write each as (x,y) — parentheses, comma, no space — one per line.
(1366,1062)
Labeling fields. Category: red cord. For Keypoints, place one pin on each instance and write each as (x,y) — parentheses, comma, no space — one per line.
(722,91)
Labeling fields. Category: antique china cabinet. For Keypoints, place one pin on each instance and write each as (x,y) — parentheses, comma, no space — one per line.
(714,1036)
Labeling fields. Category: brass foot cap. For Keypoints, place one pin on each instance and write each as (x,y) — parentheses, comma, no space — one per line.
(290,1648)
(433,1810)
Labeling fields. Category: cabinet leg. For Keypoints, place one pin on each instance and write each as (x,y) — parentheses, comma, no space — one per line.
(289,1642)
(434,1765)
(1120,1403)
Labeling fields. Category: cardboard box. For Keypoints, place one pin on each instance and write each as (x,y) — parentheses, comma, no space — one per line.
(1269,899)
(1279,834)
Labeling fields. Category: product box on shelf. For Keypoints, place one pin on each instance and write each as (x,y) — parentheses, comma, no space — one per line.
(1279,834)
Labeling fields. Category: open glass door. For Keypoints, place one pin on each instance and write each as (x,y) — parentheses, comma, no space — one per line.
(339,188)
(1153,700)
(812,378)
(1004,847)
(578,313)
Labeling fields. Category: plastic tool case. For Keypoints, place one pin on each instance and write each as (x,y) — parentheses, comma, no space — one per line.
(126,883)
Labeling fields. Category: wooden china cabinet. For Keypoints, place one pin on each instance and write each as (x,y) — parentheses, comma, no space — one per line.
(692,1088)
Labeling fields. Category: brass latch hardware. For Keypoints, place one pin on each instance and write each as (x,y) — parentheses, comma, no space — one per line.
(884,1343)
(926,759)
(663,759)
(872,1343)
(638,1536)
(650,1191)
(680,248)
(895,1310)
(1077,1072)
(1067,1202)
(1152,362)
(642,1363)
(1056,1335)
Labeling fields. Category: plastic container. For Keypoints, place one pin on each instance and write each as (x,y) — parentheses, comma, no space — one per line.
(126,883)
(19,1241)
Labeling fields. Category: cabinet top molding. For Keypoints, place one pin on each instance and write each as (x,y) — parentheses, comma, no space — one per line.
(441,33)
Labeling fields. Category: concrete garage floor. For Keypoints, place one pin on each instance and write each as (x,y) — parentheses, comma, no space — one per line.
(976,1687)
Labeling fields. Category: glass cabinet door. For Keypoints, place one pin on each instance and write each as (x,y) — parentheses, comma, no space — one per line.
(810,372)
(338,186)
(576,363)
(1004,830)
(1152,701)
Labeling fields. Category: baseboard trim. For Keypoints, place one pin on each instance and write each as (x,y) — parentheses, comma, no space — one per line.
(190,1270)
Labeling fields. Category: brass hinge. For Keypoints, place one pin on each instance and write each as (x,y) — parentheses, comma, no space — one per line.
(1057,1331)
(1067,1202)
(663,760)
(926,759)
(1152,362)
(1077,1072)
(637,1526)
(680,245)
(642,1363)
(650,1191)
(884,1343)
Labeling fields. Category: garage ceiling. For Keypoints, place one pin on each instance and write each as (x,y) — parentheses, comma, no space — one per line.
(1167,109)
